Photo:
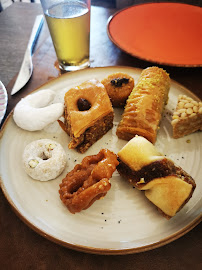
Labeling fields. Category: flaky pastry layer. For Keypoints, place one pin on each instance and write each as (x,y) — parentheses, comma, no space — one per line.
(145,104)
(166,185)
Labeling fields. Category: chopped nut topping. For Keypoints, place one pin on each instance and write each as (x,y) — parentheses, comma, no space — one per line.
(100,187)
(189,111)
(50,146)
(188,105)
(195,108)
(33,163)
(175,121)
(181,104)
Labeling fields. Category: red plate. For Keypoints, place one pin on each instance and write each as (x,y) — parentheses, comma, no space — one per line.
(165,33)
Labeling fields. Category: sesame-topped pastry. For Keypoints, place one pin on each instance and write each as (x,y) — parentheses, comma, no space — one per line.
(187,117)
(119,86)
(165,184)
(145,104)
(88,114)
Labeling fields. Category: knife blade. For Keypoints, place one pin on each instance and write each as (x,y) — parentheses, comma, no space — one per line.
(27,66)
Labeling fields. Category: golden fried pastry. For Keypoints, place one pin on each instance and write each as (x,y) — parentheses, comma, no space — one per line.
(88,181)
(166,185)
(119,86)
(145,104)
(88,114)
(187,117)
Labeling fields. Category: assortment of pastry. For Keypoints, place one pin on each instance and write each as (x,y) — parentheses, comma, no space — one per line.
(166,185)
(88,115)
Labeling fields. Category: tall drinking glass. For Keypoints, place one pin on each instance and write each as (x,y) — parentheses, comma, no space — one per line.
(69,25)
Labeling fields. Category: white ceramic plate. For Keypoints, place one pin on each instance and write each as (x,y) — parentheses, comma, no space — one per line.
(3,101)
(124,221)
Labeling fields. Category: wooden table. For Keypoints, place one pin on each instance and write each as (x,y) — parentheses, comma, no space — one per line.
(21,247)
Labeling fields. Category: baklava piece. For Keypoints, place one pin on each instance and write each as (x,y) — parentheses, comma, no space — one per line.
(166,185)
(88,114)
(119,86)
(145,105)
(187,117)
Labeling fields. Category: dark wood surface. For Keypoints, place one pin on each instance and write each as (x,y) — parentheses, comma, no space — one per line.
(20,246)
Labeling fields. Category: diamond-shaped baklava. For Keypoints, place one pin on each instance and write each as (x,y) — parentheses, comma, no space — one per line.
(88,114)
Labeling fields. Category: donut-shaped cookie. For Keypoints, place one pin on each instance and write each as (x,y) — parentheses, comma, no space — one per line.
(44,159)
(35,112)
(119,86)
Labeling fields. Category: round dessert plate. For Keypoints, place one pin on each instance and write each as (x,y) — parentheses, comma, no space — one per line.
(3,101)
(164,33)
(124,221)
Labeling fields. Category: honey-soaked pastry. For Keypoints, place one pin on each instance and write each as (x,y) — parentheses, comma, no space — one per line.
(88,114)
(119,86)
(145,104)
(165,184)
(187,117)
(88,181)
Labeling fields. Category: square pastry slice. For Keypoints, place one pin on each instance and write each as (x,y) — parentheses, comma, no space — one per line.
(88,114)
(187,117)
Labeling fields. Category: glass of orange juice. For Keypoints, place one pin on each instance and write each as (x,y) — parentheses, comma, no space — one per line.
(69,25)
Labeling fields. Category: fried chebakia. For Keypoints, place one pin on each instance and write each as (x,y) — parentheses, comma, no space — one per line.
(88,181)
(119,86)
(144,106)
(166,185)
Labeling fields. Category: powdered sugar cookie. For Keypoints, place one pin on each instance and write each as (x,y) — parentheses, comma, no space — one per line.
(44,159)
(35,112)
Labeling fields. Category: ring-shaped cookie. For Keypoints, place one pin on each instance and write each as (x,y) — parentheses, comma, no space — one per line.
(44,159)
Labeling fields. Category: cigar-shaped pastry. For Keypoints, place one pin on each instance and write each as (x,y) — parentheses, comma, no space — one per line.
(166,185)
(145,104)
